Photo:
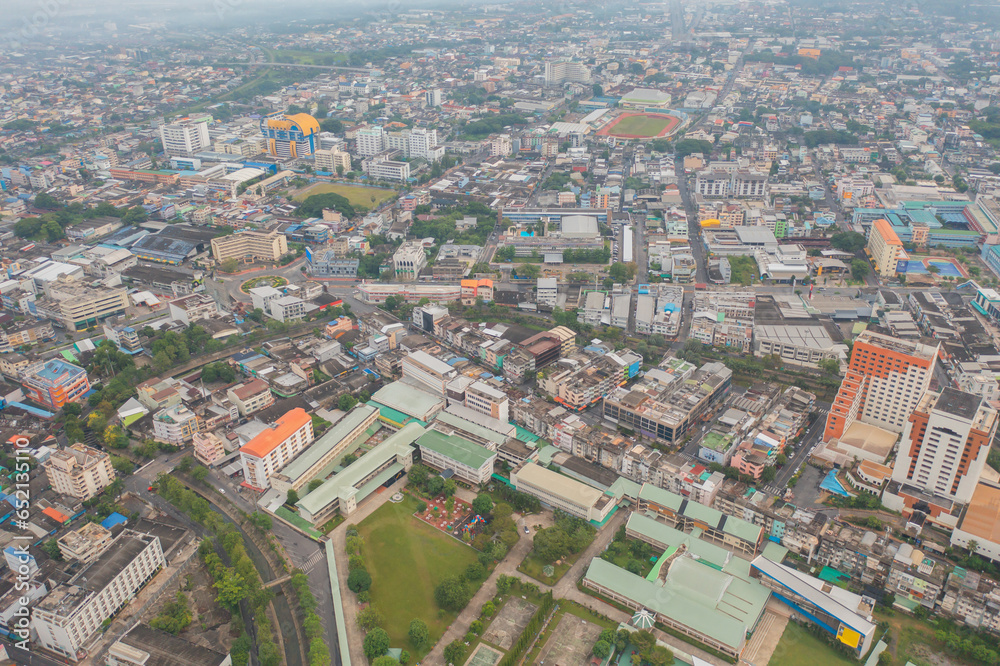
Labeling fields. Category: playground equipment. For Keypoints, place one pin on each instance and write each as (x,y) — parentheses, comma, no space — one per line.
(471,525)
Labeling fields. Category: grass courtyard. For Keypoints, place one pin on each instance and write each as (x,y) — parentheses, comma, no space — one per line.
(355,194)
(407,558)
(646,126)
(797,646)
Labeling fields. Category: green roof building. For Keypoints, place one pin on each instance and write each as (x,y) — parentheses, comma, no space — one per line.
(467,461)
(343,491)
(716,606)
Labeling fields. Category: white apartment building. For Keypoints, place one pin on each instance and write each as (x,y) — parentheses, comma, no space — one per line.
(485,399)
(275,447)
(79,471)
(186,136)
(251,396)
(175,425)
(423,143)
(330,159)
(370,141)
(501,146)
(85,544)
(250,246)
(67,618)
(945,444)
(208,447)
(566,72)
(433,97)
(547,291)
(288,308)
(383,169)
(189,309)
(262,297)
(408,260)
(428,371)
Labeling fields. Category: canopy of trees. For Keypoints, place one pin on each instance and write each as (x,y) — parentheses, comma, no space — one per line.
(313,205)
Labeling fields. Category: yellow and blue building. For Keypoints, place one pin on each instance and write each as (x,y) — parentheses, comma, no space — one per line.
(290,136)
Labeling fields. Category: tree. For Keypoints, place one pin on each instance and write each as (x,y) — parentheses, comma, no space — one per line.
(359,580)
(418,474)
(657,656)
(830,366)
(454,652)
(848,241)
(483,504)
(860,268)
(199,474)
(370,618)
(450,488)
(230,265)
(435,486)
(601,649)
(231,588)
(376,643)
(452,594)
(504,583)
(768,474)
(475,572)
(292,498)
(418,634)
(347,402)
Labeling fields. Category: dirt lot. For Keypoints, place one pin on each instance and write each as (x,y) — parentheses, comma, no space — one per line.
(571,643)
(210,625)
(510,622)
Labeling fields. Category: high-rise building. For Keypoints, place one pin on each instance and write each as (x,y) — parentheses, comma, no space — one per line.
(275,447)
(79,471)
(566,72)
(884,248)
(72,613)
(884,382)
(249,246)
(290,136)
(185,136)
(433,97)
(370,140)
(943,451)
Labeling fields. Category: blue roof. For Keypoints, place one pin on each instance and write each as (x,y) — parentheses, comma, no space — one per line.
(112,520)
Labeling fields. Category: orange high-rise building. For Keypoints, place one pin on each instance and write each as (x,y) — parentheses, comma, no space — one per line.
(884,382)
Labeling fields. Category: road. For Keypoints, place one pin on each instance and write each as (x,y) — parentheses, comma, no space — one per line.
(304,552)
(800,454)
(694,228)
(30,657)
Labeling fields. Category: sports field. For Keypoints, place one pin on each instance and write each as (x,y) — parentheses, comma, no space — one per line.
(640,126)
(358,196)
(407,558)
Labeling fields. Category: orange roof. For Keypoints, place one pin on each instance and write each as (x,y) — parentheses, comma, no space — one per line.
(887,233)
(54,515)
(270,439)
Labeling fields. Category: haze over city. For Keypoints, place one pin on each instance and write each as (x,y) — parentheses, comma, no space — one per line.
(481,333)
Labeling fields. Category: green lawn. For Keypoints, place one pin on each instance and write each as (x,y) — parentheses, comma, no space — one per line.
(797,647)
(306,57)
(407,559)
(642,125)
(358,196)
(532,566)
